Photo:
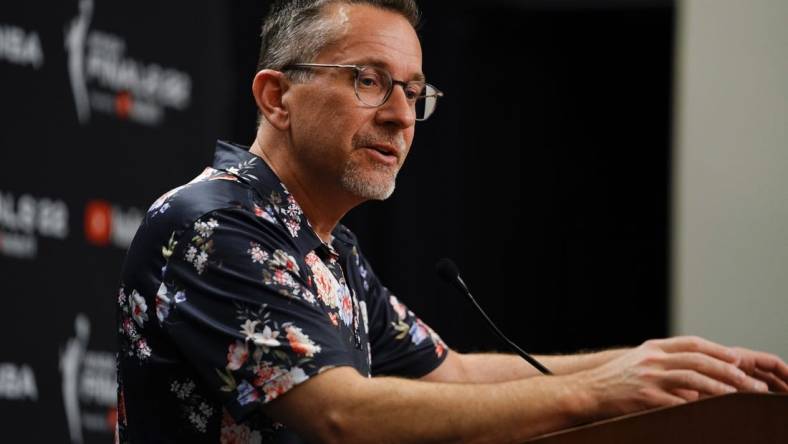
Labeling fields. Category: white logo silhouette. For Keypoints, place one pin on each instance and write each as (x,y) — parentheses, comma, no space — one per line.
(71,358)
(76,34)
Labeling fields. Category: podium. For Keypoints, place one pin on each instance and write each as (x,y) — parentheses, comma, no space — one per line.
(736,418)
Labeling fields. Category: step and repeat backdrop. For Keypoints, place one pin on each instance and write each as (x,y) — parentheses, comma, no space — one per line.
(103,106)
(544,175)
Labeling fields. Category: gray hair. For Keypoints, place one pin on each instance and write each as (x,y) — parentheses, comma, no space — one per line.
(297,30)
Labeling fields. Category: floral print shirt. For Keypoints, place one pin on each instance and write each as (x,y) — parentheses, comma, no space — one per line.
(229,299)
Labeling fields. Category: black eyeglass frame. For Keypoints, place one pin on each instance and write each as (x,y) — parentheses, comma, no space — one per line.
(428,90)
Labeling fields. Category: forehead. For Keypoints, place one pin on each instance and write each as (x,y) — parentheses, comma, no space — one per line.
(372,35)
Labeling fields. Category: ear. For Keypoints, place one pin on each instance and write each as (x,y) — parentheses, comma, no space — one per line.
(269,87)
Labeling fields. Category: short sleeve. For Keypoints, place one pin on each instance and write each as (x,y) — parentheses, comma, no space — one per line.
(401,343)
(237,302)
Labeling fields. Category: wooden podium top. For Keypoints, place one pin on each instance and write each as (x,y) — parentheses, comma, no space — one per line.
(736,418)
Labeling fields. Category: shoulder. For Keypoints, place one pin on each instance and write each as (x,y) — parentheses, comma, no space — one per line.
(211,190)
(212,197)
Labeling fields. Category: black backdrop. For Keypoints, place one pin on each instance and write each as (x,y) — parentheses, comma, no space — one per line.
(544,175)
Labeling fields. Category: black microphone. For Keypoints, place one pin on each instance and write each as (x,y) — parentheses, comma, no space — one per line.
(449,273)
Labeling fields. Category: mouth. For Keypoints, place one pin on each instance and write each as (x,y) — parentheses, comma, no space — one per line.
(385,153)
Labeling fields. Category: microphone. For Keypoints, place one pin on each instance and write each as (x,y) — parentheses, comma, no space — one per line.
(449,273)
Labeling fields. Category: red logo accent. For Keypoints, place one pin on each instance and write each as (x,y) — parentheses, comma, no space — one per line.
(98,222)
(123,104)
(112,418)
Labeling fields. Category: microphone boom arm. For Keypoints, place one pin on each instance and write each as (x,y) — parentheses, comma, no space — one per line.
(538,365)
(449,273)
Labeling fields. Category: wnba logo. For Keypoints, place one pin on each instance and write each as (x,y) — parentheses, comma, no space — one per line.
(104,79)
(89,386)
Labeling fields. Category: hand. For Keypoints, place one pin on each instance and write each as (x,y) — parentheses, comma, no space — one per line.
(668,372)
(765,367)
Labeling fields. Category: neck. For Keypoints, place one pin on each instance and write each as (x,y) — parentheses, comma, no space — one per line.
(323,205)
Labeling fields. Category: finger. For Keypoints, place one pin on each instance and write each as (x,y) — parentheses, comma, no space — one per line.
(747,361)
(767,362)
(713,368)
(687,395)
(771,363)
(692,380)
(775,384)
(702,363)
(699,345)
(658,398)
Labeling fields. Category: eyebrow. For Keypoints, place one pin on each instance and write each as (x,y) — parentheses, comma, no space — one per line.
(419,77)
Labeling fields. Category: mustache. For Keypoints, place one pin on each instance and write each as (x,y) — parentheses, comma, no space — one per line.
(396,140)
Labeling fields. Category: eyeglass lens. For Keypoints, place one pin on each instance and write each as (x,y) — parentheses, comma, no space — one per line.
(374,85)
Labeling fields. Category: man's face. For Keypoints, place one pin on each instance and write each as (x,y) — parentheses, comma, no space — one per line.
(340,142)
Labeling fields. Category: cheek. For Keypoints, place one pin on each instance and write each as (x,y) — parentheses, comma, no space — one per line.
(312,104)
(326,133)
(330,117)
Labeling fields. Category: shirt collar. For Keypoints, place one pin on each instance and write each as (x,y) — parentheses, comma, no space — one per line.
(277,201)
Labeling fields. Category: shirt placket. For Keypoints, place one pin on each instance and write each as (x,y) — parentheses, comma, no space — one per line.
(334,266)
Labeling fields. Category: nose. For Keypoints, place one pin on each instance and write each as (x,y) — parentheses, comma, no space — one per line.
(397,111)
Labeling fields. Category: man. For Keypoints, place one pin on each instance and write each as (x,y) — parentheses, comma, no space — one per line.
(247,313)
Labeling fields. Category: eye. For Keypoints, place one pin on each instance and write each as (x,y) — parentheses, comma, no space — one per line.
(369,79)
(414,90)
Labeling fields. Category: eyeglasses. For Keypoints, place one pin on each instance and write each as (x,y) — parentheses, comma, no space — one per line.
(374,85)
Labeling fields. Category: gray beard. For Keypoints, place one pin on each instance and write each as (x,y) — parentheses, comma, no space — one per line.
(353,180)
